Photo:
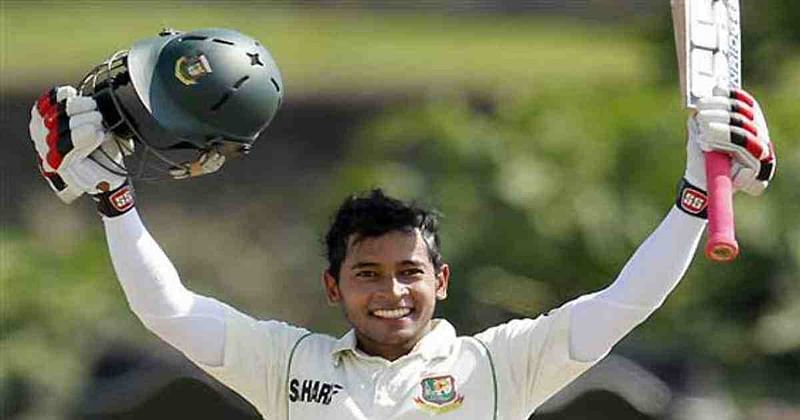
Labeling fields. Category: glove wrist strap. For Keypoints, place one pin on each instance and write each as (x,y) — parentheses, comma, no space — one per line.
(116,202)
(692,200)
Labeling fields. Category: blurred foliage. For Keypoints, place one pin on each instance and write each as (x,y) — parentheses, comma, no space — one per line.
(56,301)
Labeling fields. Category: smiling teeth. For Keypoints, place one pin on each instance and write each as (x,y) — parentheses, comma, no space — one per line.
(392,313)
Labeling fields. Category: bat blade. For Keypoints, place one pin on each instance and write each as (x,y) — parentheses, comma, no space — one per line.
(681,43)
(708,43)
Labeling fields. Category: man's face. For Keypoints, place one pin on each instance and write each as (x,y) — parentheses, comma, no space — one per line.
(388,290)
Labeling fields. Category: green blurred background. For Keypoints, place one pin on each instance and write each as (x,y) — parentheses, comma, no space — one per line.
(549,134)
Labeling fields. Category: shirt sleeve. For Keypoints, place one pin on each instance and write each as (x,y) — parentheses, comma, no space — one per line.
(256,359)
(247,355)
(532,359)
(535,358)
(191,323)
(601,319)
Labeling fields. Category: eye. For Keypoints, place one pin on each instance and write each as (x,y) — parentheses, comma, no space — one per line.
(367,274)
(411,272)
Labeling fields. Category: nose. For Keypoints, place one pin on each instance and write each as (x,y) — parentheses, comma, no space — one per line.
(394,287)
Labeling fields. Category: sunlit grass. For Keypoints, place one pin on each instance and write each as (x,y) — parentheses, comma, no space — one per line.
(332,52)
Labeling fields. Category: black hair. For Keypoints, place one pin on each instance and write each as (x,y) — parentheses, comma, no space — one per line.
(373,214)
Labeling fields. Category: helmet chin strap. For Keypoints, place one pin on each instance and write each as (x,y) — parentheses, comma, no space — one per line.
(210,160)
(206,163)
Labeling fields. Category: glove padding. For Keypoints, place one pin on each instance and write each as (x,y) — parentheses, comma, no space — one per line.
(75,153)
(732,122)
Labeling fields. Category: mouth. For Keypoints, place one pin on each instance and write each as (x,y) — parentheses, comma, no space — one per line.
(396,313)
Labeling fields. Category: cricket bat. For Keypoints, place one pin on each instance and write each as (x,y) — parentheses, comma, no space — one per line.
(708,43)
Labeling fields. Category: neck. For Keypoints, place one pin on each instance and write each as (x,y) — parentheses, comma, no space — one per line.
(390,351)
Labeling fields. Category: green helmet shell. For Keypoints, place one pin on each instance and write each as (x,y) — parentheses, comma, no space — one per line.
(207,84)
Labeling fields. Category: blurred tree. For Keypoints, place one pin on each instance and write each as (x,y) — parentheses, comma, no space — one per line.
(784,16)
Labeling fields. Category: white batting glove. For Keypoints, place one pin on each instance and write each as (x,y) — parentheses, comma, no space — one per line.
(732,122)
(76,155)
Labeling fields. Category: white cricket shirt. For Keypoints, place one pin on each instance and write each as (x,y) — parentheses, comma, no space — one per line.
(504,372)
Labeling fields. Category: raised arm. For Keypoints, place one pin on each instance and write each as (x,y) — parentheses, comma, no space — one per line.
(78,156)
(601,319)
(191,323)
(540,356)
(730,121)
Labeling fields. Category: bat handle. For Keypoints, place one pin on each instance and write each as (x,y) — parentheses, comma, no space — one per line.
(721,245)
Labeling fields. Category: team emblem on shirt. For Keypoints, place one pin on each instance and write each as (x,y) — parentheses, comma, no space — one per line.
(438,395)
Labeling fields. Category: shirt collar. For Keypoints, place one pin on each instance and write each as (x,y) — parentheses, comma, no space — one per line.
(438,342)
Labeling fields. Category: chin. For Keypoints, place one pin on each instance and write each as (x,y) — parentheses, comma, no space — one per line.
(405,333)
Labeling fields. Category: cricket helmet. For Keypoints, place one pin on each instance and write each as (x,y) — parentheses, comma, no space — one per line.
(208,90)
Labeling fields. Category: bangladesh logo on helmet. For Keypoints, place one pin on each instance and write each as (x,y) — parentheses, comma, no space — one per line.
(438,395)
(190,69)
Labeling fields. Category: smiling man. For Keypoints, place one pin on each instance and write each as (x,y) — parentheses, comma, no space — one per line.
(386,272)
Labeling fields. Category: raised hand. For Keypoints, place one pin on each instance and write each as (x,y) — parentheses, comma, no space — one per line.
(732,122)
(75,153)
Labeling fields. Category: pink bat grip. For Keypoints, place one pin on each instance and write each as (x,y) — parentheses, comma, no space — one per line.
(721,245)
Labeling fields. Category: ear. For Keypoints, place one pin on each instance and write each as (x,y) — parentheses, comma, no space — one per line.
(331,287)
(442,281)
